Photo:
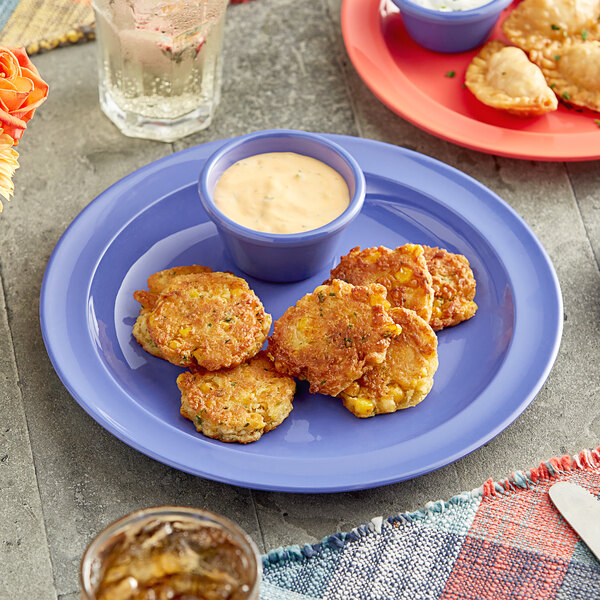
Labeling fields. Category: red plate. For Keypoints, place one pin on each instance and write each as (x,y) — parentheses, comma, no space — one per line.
(413,82)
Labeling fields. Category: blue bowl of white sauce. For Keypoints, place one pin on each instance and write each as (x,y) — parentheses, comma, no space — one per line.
(281,200)
(450,26)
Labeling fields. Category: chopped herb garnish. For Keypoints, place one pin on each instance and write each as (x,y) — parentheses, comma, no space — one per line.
(552,86)
(348,342)
(227,341)
(555,27)
(228,319)
(584,34)
(557,57)
(332,294)
(321,297)
(210,324)
(566,96)
(597,121)
(199,420)
(246,425)
(450,74)
(322,382)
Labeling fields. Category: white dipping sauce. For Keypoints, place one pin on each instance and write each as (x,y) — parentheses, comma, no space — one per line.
(451,5)
(281,192)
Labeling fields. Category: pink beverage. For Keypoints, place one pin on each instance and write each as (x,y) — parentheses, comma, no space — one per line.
(159,64)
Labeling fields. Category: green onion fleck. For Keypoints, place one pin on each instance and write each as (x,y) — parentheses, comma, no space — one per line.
(566,96)
(450,74)
(584,34)
(555,27)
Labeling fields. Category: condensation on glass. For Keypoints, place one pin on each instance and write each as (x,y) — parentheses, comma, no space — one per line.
(159,64)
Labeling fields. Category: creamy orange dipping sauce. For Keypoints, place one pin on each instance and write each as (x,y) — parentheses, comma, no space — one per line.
(281,192)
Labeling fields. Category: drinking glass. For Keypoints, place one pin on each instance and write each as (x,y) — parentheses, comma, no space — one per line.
(171,552)
(160,64)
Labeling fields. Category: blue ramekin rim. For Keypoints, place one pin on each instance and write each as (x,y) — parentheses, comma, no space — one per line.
(222,221)
(453,17)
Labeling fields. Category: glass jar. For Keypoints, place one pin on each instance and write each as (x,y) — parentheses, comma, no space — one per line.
(171,552)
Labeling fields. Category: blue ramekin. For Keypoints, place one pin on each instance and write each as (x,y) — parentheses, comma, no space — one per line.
(275,256)
(452,31)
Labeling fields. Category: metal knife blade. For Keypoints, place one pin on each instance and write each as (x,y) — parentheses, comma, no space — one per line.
(581,510)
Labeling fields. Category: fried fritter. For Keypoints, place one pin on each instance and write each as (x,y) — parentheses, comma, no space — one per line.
(208,319)
(333,335)
(406,375)
(238,404)
(454,287)
(402,271)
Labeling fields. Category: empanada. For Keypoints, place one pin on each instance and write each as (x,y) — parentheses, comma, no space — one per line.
(503,77)
(535,24)
(572,69)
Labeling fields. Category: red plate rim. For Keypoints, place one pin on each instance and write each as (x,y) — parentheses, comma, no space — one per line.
(369,53)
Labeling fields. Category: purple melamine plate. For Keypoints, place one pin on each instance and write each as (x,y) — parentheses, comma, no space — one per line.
(491,367)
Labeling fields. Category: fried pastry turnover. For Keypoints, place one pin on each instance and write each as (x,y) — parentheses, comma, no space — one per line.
(503,77)
(536,24)
(573,70)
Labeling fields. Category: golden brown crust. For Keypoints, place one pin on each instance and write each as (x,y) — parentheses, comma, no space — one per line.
(402,271)
(333,335)
(205,319)
(537,24)
(454,287)
(502,77)
(404,378)
(158,282)
(572,68)
(238,404)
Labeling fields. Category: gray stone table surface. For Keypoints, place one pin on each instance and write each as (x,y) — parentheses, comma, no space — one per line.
(63,477)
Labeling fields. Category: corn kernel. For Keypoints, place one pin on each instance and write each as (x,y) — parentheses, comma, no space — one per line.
(174,344)
(303,324)
(393,330)
(194,294)
(362,407)
(205,388)
(372,257)
(376,299)
(184,331)
(404,275)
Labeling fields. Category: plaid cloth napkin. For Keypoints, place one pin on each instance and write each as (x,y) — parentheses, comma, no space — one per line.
(504,540)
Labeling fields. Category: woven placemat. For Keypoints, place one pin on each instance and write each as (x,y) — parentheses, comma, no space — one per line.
(45,24)
(502,541)
(41,25)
